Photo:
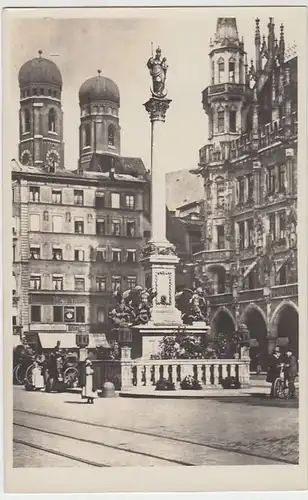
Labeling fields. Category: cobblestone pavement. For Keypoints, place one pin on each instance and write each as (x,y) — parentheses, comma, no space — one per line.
(153,432)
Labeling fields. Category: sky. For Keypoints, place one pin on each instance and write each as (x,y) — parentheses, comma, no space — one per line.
(120,47)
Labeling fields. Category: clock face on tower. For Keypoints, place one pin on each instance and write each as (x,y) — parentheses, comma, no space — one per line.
(26,157)
(52,158)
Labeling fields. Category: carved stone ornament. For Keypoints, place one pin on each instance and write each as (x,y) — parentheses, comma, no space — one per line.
(157,108)
(153,249)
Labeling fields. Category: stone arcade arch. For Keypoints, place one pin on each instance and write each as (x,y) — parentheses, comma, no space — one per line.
(255,319)
(223,322)
(284,324)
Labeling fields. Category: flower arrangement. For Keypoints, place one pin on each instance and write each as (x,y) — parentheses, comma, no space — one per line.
(190,383)
(164,385)
(230,383)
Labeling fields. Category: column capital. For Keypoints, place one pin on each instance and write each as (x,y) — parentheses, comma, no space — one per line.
(157,108)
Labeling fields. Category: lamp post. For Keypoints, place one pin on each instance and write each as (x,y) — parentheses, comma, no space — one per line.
(82,341)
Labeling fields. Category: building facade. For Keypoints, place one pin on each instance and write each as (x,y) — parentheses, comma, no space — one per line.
(249,165)
(77,234)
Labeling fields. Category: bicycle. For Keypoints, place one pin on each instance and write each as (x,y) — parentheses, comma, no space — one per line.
(281,388)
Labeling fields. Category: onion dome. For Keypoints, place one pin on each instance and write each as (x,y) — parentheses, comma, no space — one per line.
(39,71)
(99,88)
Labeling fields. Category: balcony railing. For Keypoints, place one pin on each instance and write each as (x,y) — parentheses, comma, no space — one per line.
(268,135)
(220,298)
(251,295)
(213,255)
(280,291)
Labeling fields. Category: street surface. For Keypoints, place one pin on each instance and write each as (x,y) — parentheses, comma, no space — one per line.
(147,432)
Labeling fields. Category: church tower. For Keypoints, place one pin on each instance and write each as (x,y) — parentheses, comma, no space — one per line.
(224,99)
(99,131)
(40,115)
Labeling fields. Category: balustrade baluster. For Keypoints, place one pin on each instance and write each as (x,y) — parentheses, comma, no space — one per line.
(216,375)
(148,375)
(224,371)
(156,373)
(232,370)
(199,373)
(139,375)
(165,371)
(174,375)
(207,374)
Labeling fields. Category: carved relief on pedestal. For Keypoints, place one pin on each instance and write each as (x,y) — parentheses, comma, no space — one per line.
(154,249)
(163,287)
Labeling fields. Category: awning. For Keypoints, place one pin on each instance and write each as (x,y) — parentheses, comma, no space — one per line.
(68,340)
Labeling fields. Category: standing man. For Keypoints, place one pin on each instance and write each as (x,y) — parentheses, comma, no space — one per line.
(273,371)
(290,372)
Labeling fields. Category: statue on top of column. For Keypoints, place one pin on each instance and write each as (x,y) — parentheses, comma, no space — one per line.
(158,71)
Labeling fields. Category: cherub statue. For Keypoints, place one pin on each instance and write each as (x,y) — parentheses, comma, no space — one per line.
(192,305)
(158,71)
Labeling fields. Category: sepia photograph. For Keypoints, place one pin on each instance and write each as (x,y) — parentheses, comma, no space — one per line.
(152,182)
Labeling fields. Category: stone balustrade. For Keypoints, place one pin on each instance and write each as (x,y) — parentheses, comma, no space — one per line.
(209,372)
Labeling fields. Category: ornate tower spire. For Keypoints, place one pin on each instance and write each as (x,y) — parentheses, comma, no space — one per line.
(258,45)
(281,45)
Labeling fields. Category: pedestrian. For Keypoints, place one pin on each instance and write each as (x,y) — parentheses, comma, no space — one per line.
(37,375)
(291,372)
(88,382)
(273,371)
(258,362)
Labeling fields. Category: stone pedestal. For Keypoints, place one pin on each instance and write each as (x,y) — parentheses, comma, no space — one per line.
(146,338)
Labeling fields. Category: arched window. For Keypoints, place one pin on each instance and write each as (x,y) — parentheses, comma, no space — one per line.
(111,139)
(26,121)
(87,135)
(231,70)
(220,190)
(213,72)
(52,120)
(221,70)
(221,120)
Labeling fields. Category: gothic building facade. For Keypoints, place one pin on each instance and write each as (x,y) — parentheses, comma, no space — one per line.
(77,234)
(249,165)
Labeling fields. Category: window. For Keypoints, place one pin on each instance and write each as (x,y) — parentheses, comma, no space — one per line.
(79,284)
(79,255)
(56,196)
(101,315)
(131,255)
(232,120)
(100,227)
(221,121)
(52,120)
(250,187)
(283,275)
(271,180)
(26,121)
(130,201)
(101,255)
(231,71)
(241,190)
(14,253)
(36,314)
(116,255)
(45,216)
(78,197)
(34,91)
(100,284)
(34,193)
(14,320)
(100,200)
(115,200)
(34,222)
(115,228)
(213,72)
(57,224)
(220,183)
(272,225)
(221,70)
(87,135)
(80,314)
(130,229)
(35,282)
(282,226)
(282,178)
(241,227)
(115,283)
(57,283)
(220,236)
(58,314)
(131,282)
(57,254)
(252,280)
(35,253)
(79,227)
(111,138)
(250,233)
(42,92)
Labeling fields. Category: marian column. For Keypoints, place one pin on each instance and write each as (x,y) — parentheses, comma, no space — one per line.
(159,257)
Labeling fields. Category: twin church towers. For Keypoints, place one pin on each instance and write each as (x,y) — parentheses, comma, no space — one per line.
(41,117)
